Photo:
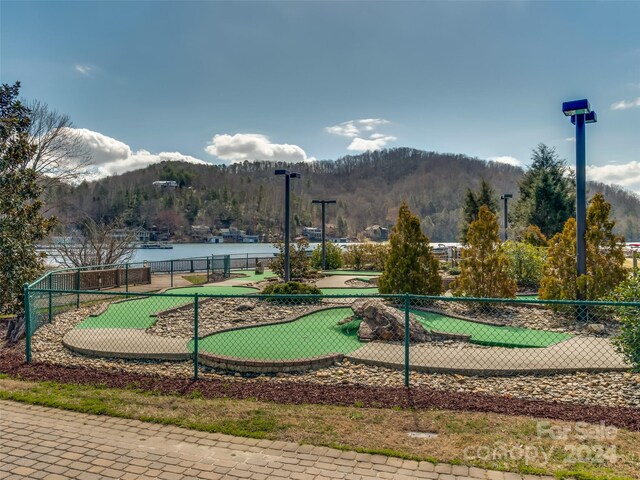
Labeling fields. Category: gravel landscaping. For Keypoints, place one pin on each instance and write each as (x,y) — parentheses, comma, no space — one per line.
(602,389)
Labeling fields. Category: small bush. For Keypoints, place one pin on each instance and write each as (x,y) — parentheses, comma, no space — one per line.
(526,263)
(366,256)
(298,260)
(333,256)
(292,288)
(628,339)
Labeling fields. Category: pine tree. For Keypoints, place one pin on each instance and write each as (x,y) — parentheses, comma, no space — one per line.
(21,224)
(605,258)
(484,268)
(472,203)
(410,267)
(547,196)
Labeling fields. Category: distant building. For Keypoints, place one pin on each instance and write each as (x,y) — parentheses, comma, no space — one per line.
(232,235)
(376,233)
(314,234)
(165,184)
(216,239)
(250,238)
(139,234)
(200,233)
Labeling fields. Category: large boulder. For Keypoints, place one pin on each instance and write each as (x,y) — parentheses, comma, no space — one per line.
(382,322)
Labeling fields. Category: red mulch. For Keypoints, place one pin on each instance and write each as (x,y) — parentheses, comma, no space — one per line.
(12,363)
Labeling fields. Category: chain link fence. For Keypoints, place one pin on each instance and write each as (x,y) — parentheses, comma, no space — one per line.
(215,329)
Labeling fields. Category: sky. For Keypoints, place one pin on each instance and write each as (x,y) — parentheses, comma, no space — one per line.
(223,82)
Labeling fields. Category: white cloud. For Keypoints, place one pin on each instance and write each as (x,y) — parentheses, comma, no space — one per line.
(570,139)
(254,146)
(83,69)
(624,105)
(625,174)
(374,142)
(358,130)
(111,157)
(506,159)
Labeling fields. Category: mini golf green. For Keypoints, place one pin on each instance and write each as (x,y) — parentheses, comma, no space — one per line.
(350,291)
(251,275)
(489,335)
(309,336)
(136,313)
(364,273)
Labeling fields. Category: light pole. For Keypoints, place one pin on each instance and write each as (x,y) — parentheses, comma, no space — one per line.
(323,202)
(505,197)
(287,176)
(580,113)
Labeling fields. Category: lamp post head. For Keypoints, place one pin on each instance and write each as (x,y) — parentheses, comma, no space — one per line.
(504,196)
(576,107)
(295,175)
(282,171)
(590,117)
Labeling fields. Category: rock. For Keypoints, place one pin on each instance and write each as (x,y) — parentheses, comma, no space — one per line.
(596,328)
(381,322)
(259,268)
(244,307)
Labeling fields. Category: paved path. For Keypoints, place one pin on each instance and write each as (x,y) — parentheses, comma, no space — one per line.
(39,442)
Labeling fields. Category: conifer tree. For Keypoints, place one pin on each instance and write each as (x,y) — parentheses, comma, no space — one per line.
(411,266)
(472,203)
(484,268)
(21,223)
(605,258)
(546,193)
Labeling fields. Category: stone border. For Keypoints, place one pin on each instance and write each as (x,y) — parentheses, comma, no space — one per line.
(243,365)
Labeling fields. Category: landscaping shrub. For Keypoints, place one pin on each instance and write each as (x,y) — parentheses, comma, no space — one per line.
(292,288)
(366,256)
(333,256)
(525,263)
(411,266)
(299,263)
(605,258)
(627,341)
(484,268)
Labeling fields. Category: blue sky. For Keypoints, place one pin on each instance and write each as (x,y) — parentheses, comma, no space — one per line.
(222,82)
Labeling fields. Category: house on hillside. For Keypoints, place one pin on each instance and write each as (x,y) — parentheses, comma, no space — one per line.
(376,233)
(232,235)
(200,233)
(313,234)
(165,184)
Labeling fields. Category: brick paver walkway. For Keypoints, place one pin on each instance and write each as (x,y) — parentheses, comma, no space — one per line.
(38,442)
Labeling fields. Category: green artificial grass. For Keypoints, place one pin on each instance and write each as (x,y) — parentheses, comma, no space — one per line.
(136,313)
(352,272)
(350,291)
(252,276)
(511,337)
(309,336)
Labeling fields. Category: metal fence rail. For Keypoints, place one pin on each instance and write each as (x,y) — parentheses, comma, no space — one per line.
(266,334)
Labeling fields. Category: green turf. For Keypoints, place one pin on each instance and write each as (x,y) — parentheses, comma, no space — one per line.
(310,336)
(512,337)
(364,273)
(527,297)
(350,291)
(136,313)
(252,276)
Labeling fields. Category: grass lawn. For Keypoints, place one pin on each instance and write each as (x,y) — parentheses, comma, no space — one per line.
(137,313)
(370,430)
(512,337)
(252,276)
(309,336)
(350,291)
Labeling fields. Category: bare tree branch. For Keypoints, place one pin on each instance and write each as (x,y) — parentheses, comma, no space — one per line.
(60,154)
(95,244)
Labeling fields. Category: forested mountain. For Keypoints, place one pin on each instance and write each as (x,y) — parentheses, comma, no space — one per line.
(369,189)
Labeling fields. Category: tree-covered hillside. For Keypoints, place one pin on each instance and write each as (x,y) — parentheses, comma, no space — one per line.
(369,189)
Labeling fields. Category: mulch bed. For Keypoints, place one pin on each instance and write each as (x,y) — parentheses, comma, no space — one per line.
(12,363)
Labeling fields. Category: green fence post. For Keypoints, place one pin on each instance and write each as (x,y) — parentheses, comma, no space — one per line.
(247,267)
(406,339)
(27,323)
(126,277)
(192,270)
(635,263)
(195,337)
(208,261)
(171,272)
(78,288)
(50,301)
